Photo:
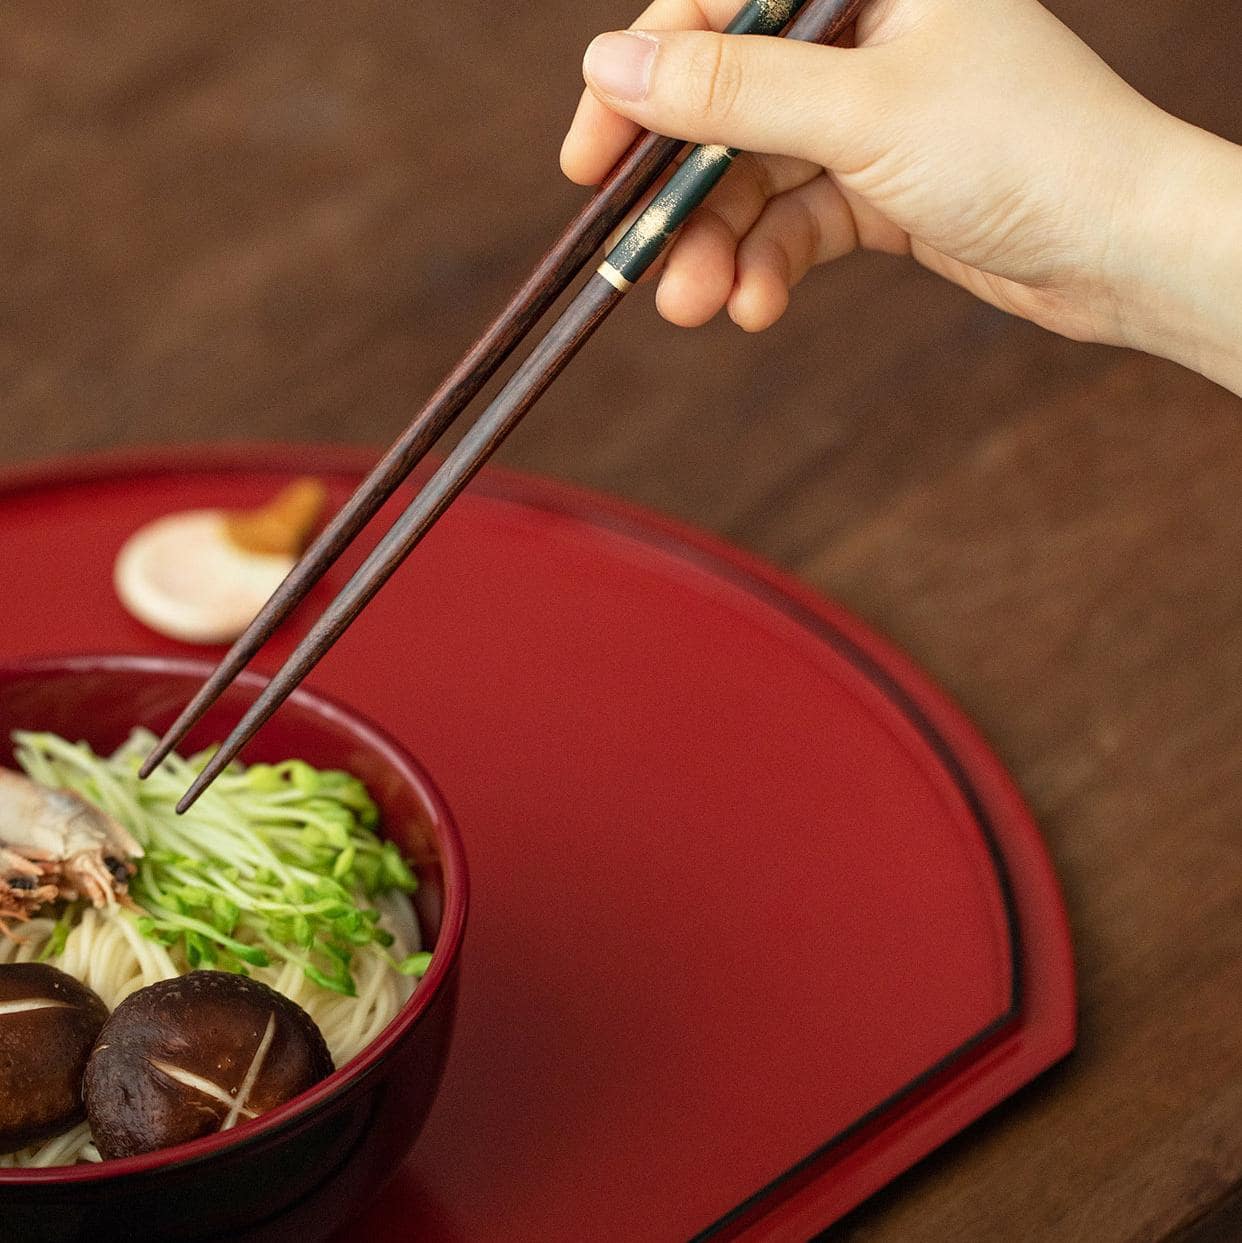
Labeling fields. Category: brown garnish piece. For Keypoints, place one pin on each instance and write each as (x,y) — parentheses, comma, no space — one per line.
(283,526)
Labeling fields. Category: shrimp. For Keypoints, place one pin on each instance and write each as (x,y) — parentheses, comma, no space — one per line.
(55,846)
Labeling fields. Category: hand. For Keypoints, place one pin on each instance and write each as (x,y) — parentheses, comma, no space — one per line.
(979,136)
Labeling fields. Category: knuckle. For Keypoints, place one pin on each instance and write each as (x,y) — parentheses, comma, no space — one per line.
(755,172)
(717,72)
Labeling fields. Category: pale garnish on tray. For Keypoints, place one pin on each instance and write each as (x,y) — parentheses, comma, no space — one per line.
(201,575)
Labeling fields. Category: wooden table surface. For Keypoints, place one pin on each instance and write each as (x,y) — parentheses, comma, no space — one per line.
(283,220)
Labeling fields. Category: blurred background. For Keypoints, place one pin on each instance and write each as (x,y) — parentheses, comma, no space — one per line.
(222,220)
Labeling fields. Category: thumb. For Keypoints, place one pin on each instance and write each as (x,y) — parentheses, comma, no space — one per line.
(775,96)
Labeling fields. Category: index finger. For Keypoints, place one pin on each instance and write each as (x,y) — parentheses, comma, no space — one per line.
(598,137)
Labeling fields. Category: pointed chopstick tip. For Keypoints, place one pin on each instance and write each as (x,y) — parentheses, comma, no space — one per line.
(223,757)
(225,754)
(159,753)
(197,786)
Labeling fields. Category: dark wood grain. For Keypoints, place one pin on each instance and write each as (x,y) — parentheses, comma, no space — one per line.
(591,305)
(635,173)
(286,220)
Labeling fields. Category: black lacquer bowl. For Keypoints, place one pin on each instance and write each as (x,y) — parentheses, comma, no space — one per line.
(301,1171)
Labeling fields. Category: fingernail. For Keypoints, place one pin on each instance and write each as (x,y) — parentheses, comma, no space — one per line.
(620,65)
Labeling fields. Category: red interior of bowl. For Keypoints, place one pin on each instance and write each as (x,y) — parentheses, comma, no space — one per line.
(100,699)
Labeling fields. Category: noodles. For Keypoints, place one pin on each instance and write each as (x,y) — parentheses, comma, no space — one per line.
(107,950)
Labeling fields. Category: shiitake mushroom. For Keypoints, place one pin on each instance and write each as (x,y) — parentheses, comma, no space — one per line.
(195,1055)
(48,1023)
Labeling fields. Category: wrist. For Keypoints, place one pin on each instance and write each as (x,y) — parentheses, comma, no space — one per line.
(1183,296)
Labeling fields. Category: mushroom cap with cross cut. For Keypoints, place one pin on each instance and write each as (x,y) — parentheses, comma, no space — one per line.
(48,1023)
(194,1055)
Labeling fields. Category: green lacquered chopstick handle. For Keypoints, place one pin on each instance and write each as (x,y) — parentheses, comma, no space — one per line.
(641,245)
(764,17)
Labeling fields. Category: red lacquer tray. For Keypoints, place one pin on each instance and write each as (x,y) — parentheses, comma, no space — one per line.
(757,921)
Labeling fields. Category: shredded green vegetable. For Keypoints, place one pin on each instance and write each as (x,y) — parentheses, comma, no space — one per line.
(275,863)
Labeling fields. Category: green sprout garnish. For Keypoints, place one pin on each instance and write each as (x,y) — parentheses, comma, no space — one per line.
(276,863)
(55,944)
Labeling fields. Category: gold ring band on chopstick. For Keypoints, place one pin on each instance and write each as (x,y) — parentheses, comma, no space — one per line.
(614,278)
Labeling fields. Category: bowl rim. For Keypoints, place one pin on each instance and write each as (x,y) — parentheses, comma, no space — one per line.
(443,962)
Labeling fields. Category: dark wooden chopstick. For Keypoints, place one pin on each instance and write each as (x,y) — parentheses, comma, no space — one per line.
(638,249)
(638,170)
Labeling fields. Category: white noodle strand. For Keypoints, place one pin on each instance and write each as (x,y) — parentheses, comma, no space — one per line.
(108,954)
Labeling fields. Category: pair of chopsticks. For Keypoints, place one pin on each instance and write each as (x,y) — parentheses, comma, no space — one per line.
(817,21)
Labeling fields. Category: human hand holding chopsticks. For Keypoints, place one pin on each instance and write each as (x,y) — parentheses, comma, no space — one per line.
(625,263)
(1069,274)
(984,139)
